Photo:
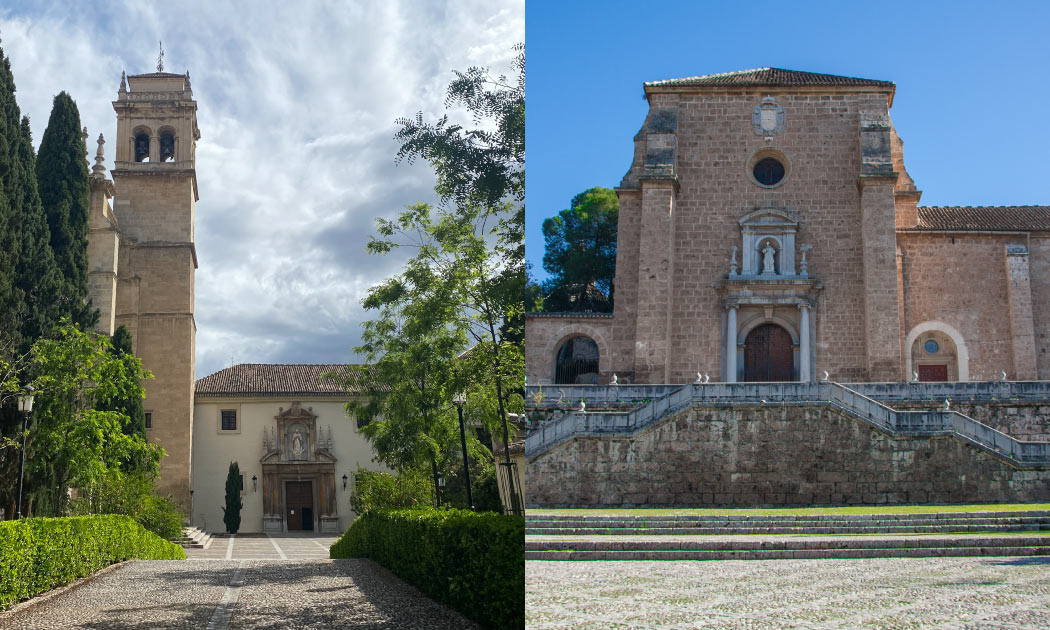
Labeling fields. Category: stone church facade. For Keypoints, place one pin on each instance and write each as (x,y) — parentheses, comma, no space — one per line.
(769,231)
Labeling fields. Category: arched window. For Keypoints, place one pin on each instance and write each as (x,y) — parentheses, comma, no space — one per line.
(142,147)
(167,145)
(577,362)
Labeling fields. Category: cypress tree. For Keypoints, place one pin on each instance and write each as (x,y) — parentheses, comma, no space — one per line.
(231,514)
(11,303)
(37,277)
(65,191)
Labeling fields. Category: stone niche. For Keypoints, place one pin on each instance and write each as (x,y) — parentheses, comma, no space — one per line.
(298,474)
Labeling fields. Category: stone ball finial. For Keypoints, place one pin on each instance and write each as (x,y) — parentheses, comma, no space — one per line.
(123,81)
(824,376)
(99,169)
(1002,376)
(583,406)
(914,377)
(613,381)
(699,378)
(947,403)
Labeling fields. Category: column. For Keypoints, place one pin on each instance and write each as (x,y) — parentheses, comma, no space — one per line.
(154,149)
(731,344)
(804,343)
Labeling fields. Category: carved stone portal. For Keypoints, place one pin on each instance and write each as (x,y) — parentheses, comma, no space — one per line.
(298,474)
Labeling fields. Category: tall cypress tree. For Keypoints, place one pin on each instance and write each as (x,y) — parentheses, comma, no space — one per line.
(36,275)
(11,304)
(65,190)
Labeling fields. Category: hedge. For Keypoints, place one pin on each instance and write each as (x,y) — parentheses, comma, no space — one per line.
(472,562)
(38,554)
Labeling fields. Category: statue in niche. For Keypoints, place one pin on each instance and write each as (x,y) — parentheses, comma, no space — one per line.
(768,261)
(297,445)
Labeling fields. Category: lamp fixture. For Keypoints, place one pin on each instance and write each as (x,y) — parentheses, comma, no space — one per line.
(345,479)
(255,483)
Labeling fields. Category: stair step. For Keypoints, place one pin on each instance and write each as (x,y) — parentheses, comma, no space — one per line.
(717,531)
(785,554)
(708,544)
(531,518)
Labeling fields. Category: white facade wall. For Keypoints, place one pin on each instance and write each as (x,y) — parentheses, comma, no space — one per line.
(214,449)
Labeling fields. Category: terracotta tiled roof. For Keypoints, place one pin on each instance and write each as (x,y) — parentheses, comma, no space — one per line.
(985,218)
(773,77)
(266,379)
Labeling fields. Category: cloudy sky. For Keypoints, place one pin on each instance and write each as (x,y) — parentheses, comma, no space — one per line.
(296,106)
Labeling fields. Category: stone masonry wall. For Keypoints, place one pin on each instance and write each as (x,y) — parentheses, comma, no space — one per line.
(1039,268)
(960,279)
(772,456)
(715,138)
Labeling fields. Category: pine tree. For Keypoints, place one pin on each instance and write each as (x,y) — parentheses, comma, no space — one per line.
(65,191)
(231,514)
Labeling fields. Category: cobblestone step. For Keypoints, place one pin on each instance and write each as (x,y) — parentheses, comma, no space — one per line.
(860,547)
(714,531)
(792,523)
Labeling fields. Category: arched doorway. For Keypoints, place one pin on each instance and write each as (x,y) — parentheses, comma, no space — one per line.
(769,355)
(577,362)
(934,357)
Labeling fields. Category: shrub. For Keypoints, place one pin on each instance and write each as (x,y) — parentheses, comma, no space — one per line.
(473,562)
(376,490)
(38,554)
(131,494)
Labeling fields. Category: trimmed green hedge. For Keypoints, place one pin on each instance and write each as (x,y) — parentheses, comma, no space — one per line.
(472,562)
(38,554)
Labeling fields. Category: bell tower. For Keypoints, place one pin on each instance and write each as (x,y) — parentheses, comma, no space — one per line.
(155,190)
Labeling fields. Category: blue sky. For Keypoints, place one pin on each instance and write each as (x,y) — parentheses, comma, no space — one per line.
(973,85)
(296,107)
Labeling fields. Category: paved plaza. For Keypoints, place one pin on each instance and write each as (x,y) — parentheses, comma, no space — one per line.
(879,593)
(242,582)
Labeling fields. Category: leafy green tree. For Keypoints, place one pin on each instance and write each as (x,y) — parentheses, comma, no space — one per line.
(580,253)
(231,513)
(72,442)
(131,407)
(376,490)
(65,191)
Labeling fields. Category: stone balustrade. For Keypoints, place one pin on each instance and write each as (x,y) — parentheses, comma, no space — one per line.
(665,400)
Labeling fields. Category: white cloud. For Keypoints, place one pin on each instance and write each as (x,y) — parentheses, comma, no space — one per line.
(297,104)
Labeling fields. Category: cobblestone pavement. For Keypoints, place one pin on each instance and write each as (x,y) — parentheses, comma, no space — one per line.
(880,593)
(193,594)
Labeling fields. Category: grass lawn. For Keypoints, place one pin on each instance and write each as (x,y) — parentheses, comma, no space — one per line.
(852,509)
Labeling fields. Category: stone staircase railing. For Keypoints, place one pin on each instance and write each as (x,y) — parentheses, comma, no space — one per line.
(910,423)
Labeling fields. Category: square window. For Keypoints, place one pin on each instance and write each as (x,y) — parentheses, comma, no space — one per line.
(149,419)
(229,420)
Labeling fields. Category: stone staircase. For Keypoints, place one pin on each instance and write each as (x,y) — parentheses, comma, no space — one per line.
(743,537)
(934,422)
(193,538)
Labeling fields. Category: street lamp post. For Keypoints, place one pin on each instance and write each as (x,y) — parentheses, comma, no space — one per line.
(459,401)
(25,405)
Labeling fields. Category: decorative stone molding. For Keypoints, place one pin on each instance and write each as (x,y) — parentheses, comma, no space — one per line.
(768,118)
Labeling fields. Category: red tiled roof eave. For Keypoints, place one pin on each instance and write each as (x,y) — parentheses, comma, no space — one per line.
(983,218)
(266,379)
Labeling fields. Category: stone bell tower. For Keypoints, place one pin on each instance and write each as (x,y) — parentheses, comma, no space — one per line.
(154,191)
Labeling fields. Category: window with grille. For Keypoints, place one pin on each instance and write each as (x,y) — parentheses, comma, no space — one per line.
(229,420)
(149,420)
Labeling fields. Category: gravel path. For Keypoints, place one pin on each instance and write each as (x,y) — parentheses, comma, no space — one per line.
(881,593)
(307,594)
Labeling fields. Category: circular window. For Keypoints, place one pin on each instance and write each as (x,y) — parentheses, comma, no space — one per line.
(768,171)
(768,167)
(931,346)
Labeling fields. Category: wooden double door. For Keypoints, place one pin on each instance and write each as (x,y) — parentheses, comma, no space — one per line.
(769,355)
(299,505)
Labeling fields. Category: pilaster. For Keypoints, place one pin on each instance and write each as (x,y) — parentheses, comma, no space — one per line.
(1019,300)
(655,274)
